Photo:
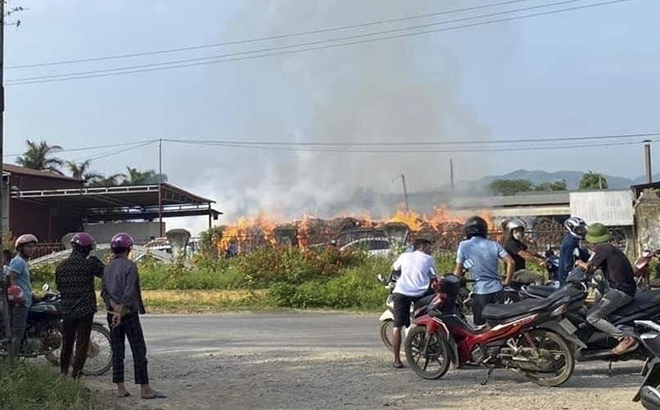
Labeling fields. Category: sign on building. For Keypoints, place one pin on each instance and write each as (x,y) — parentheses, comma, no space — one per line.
(611,208)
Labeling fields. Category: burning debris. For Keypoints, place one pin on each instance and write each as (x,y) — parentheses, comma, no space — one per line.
(442,227)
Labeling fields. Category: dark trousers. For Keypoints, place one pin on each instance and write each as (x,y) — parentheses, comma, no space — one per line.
(130,328)
(19,316)
(75,331)
(480,301)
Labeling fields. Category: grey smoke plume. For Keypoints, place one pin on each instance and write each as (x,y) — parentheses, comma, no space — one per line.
(397,90)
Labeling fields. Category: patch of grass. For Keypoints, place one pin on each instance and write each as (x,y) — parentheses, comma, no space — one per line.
(29,387)
(198,301)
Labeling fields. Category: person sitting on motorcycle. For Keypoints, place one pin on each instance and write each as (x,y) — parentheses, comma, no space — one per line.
(577,228)
(619,273)
(418,270)
(18,274)
(75,281)
(517,249)
(481,257)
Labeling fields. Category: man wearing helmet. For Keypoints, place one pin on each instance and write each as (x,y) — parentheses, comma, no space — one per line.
(517,249)
(123,299)
(75,281)
(577,229)
(481,257)
(18,275)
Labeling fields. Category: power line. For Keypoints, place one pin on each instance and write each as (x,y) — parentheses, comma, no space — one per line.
(170,65)
(411,151)
(419,143)
(90,148)
(268,38)
(116,152)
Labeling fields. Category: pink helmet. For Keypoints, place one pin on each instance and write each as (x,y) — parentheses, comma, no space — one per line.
(83,239)
(25,239)
(121,241)
(14,294)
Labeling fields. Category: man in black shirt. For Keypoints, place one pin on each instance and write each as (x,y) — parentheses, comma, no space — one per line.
(619,273)
(75,281)
(514,246)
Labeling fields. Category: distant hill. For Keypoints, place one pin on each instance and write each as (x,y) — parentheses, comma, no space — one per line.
(572,178)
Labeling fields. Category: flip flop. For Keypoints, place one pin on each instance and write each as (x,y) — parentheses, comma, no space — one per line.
(398,366)
(156,395)
(127,394)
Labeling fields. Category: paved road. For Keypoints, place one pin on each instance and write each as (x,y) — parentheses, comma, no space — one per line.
(329,361)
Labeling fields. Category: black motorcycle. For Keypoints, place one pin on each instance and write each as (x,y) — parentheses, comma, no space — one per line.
(649,334)
(43,336)
(596,345)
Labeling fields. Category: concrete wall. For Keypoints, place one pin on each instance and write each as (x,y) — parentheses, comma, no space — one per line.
(140,231)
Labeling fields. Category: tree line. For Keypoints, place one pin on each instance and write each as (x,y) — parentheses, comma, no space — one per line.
(42,156)
(507,187)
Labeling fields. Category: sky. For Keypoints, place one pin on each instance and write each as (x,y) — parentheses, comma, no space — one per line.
(582,73)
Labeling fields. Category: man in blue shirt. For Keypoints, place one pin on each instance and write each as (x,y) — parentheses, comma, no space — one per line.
(577,228)
(481,257)
(19,275)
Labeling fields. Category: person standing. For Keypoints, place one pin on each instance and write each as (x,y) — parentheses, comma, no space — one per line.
(18,274)
(518,250)
(418,270)
(621,280)
(75,281)
(123,299)
(481,257)
(570,245)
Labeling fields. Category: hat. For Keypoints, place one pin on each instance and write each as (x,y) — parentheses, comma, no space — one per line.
(598,233)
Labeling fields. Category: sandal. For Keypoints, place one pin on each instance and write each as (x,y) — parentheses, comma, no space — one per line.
(156,395)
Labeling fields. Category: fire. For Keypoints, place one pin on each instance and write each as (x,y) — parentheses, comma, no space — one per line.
(248,233)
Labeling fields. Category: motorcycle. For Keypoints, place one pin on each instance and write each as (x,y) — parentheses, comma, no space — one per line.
(642,269)
(598,345)
(531,336)
(43,336)
(649,335)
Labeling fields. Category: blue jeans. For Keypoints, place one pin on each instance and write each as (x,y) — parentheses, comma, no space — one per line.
(19,315)
(597,316)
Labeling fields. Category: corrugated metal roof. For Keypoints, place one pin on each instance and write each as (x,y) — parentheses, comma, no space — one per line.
(16,169)
(551,198)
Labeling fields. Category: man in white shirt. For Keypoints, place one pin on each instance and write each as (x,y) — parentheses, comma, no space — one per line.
(418,269)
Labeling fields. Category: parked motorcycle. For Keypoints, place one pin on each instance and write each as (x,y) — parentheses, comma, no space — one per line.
(648,393)
(642,269)
(531,336)
(43,336)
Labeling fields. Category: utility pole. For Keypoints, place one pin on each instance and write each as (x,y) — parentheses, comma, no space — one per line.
(8,339)
(160,186)
(405,193)
(451,173)
(647,157)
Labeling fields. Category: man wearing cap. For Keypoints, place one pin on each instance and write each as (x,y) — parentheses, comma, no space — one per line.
(18,274)
(619,274)
(75,281)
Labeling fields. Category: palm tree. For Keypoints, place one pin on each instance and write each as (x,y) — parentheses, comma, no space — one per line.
(137,177)
(106,181)
(81,171)
(39,156)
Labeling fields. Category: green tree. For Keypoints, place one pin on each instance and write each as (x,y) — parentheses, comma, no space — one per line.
(82,171)
(593,180)
(137,177)
(107,181)
(39,156)
(559,185)
(506,187)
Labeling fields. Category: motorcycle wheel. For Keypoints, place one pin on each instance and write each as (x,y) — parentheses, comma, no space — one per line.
(553,347)
(99,353)
(386,328)
(423,350)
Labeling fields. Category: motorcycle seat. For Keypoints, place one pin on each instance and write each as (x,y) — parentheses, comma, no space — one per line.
(43,307)
(642,301)
(542,291)
(494,311)
(423,301)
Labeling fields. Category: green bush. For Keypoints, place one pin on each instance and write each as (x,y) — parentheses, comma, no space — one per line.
(43,274)
(28,387)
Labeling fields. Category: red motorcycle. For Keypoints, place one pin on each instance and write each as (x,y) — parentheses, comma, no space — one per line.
(530,336)
(642,269)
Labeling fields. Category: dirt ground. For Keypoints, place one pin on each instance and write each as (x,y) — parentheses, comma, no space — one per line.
(331,361)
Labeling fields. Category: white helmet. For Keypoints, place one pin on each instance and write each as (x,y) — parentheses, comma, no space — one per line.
(515,223)
(25,239)
(576,227)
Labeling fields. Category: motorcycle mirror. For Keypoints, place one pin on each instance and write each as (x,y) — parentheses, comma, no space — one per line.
(45,287)
(380,277)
